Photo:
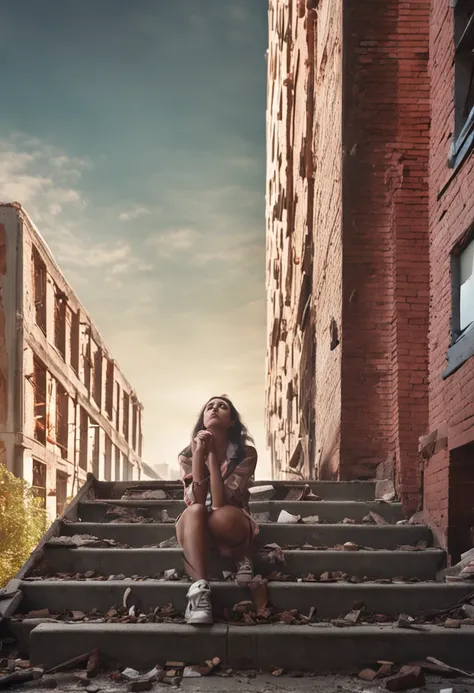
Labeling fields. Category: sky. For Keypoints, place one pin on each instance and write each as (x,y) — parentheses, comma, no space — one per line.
(133,133)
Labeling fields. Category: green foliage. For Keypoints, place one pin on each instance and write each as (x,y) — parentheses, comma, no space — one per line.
(22,523)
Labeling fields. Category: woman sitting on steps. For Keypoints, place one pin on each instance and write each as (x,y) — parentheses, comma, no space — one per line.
(216,470)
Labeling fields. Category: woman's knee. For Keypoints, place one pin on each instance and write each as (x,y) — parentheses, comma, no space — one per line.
(228,520)
(195,514)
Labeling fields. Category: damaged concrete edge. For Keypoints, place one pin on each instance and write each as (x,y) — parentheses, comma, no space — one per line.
(9,605)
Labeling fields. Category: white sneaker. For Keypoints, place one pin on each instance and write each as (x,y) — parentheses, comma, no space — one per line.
(244,573)
(199,609)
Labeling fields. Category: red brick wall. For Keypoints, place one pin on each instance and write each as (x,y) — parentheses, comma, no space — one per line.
(452,400)
(385,238)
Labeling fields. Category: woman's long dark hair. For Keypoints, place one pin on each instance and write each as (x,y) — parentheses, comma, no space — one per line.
(238,433)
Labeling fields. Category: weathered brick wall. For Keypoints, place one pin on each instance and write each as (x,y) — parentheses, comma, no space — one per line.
(303,132)
(385,238)
(363,213)
(451,401)
(328,237)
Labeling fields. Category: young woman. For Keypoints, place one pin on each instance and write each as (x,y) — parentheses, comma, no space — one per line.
(216,470)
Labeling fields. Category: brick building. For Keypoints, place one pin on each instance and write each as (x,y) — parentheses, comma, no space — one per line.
(66,408)
(370,246)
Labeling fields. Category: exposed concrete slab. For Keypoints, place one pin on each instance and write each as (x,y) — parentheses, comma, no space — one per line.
(128,645)
(327,511)
(330,600)
(258,647)
(151,562)
(326,649)
(384,537)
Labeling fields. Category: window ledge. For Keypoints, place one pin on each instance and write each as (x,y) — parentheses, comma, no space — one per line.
(460,352)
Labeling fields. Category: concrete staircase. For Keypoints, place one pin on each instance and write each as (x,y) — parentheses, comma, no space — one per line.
(389,569)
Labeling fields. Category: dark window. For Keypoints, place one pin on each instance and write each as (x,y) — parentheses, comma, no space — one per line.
(109,389)
(40,280)
(108,459)
(462,317)
(126,416)
(117,464)
(117,406)
(87,357)
(60,306)
(134,425)
(83,438)
(95,449)
(40,409)
(62,411)
(39,481)
(464,80)
(97,381)
(61,493)
(75,340)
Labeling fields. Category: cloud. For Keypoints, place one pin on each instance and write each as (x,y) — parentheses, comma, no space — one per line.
(133,213)
(168,243)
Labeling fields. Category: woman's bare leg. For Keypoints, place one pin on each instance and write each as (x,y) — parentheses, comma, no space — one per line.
(231,528)
(193,536)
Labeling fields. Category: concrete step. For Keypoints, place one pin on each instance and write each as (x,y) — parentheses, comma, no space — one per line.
(383,537)
(151,562)
(257,647)
(327,511)
(328,490)
(330,600)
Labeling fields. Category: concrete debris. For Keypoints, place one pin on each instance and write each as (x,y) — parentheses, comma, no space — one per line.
(130,674)
(350,546)
(467,573)
(171,574)
(449,669)
(82,540)
(353,616)
(378,519)
(273,553)
(171,543)
(94,664)
(384,487)
(277,671)
(152,494)
(262,493)
(368,675)
(301,493)
(452,623)
(261,518)
(17,677)
(405,621)
(368,520)
(349,521)
(311,520)
(288,519)
(407,678)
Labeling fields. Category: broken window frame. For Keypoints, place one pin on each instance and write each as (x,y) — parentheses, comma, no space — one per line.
(463,139)
(40,400)
(62,423)
(40,283)
(60,325)
(462,340)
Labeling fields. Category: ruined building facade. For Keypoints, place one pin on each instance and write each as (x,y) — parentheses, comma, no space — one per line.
(66,408)
(370,248)
(348,270)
